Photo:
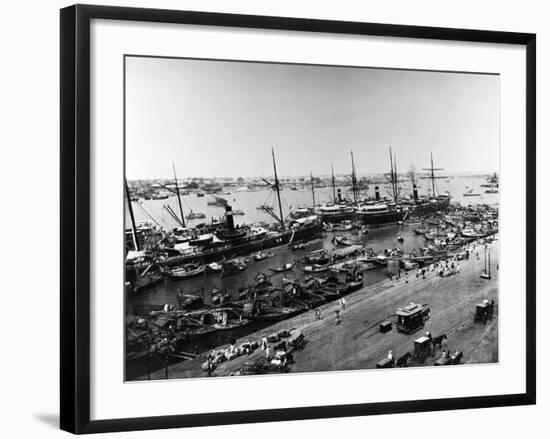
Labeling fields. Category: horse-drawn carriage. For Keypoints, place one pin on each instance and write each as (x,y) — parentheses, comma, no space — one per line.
(385,363)
(263,366)
(422,348)
(449,359)
(296,340)
(484,311)
(412,317)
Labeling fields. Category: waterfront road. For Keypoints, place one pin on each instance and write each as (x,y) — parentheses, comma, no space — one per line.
(357,343)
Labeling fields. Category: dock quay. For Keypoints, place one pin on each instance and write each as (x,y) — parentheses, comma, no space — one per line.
(356,341)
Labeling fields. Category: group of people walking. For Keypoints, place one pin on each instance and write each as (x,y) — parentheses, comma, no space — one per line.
(338,311)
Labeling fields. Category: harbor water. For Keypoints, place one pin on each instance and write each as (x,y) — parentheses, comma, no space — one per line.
(377,238)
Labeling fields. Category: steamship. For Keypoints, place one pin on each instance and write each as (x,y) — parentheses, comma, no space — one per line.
(426,205)
(423,206)
(226,240)
(336,213)
(230,241)
(379,212)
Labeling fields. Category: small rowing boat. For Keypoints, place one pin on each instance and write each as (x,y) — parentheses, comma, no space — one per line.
(286,267)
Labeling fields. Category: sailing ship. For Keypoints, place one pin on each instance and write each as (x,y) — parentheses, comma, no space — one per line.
(227,240)
(434,203)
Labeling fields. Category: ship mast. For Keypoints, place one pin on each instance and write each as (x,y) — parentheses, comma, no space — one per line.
(132,219)
(396,189)
(432,174)
(312,189)
(353,179)
(333,185)
(178,194)
(392,175)
(277,188)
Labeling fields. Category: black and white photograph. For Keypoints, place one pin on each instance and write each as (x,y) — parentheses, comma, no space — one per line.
(293,218)
(275,219)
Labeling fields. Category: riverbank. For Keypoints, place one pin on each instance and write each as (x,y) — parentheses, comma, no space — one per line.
(356,343)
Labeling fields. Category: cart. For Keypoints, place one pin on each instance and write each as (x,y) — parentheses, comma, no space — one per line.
(262,366)
(449,359)
(422,348)
(296,340)
(385,363)
(385,326)
(484,312)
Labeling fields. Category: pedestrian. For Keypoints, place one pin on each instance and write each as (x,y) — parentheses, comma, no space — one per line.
(267,352)
(343,303)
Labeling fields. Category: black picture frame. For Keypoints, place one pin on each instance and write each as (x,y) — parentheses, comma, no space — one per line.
(75,217)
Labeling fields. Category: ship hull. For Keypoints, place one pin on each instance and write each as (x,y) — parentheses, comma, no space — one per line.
(425,208)
(379,218)
(336,217)
(245,247)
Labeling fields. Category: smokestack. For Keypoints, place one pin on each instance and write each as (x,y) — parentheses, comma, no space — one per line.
(339,195)
(415,192)
(376,193)
(229,218)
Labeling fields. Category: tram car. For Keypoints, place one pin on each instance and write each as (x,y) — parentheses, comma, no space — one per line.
(484,312)
(412,317)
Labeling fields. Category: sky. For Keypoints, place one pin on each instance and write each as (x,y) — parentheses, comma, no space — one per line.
(221,119)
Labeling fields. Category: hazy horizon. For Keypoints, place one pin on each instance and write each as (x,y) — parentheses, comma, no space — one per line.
(419,174)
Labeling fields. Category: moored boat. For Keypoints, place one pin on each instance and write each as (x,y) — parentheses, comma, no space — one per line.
(260,256)
(186,272)
(287,267)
